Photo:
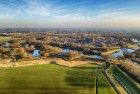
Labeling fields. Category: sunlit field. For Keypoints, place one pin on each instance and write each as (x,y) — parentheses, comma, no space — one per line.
(52,79)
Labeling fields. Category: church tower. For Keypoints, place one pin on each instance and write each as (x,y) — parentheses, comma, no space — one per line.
(93,37)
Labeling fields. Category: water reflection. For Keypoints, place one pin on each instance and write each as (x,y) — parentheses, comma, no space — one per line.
(66,50)
(36,53)
(121,52)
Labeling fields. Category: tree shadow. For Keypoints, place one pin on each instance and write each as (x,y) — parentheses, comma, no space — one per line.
(84,76)
(88,68)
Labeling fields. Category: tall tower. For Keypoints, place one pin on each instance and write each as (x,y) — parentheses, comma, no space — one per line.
(93,37)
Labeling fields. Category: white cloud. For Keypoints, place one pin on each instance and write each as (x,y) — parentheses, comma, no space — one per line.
(36,9)
(61,16)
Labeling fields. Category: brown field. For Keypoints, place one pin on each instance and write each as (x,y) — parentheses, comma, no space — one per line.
(73,63)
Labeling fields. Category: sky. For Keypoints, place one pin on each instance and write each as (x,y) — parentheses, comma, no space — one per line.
(69,13)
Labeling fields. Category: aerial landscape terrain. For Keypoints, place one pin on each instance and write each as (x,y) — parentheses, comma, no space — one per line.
(69,62)
(69,47)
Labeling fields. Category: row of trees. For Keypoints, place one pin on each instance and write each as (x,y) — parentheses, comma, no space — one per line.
(58,52)
(132,69)
(51,51)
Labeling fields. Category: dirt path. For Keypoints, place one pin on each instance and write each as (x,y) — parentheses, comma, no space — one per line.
(8,63)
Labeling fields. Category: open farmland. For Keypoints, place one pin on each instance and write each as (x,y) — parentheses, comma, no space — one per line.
(52,79)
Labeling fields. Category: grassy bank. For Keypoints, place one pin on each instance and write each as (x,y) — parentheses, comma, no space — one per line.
(126,81)
(104,87)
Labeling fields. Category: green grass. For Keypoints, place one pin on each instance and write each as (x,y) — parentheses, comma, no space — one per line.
(49,79)
(84,75)
(104,86)
(126,81)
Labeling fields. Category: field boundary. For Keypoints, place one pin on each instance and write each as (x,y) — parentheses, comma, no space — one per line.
(105,72)
(127,78)
(96,80)
(111,83)
(121,84)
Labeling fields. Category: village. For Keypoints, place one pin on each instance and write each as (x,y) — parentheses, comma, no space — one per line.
(22,46)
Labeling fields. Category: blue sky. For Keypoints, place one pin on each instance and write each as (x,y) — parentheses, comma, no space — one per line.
(70,13)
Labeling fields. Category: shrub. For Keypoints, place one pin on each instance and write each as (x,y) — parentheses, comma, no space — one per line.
(52,51)
(72,55)
(53,62)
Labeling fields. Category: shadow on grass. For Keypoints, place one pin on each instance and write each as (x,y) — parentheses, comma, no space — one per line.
(81,76)
(89,68)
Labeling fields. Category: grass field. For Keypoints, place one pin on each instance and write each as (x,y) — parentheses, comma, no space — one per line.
(51,79)
(104,86)
(126,81)
(4,39)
